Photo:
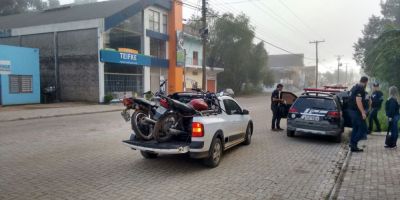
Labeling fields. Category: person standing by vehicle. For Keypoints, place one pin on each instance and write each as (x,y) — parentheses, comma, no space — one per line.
(392,112)
(357,113)
(376,104)
(276,102)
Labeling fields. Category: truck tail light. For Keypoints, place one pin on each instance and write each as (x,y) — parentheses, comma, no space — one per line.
(197,129)
(334,114)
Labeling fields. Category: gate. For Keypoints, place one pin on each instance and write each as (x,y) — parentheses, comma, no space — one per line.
(121,84)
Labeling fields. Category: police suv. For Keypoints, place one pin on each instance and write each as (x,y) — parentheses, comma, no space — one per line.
(319,112)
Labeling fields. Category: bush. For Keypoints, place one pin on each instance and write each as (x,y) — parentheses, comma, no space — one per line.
(249,89)
(108,98)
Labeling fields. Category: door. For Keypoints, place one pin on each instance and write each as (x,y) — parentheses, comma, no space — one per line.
(211,86)
(234,126)
(289,99)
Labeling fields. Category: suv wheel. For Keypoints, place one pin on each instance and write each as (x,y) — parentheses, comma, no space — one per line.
(338,138)
(148,155)
(290,133)
(214,154)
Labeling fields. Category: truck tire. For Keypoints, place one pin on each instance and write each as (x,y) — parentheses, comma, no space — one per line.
(290,133)
(141,131)
(214,154)
(148,155)
(249,133)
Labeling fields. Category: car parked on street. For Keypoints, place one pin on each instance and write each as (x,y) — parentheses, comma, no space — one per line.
(319,112)
(209,134)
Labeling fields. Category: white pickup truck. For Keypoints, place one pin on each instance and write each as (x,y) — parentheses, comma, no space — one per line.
(210,135)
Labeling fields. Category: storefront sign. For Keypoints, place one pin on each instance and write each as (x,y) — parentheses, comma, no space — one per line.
(180,51)
(124,58)
(5,67)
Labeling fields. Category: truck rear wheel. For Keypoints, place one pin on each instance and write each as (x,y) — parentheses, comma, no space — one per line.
(148,155)
(214,154)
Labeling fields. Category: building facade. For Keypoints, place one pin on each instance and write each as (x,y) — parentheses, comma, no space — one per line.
(87,51)
(19,75)
(193,63)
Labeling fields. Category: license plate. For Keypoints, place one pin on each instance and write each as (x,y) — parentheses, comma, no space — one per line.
(310,117)
(161,110)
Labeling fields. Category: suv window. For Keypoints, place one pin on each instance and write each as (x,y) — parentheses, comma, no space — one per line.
(304,103)
(232,107)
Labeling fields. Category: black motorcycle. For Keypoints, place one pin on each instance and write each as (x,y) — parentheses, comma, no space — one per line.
(176,121)
(146,113)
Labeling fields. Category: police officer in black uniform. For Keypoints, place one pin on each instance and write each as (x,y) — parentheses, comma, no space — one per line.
(376,104)
(357,113)
(276,101)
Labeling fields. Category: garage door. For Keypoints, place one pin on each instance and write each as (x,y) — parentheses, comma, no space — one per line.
(211,85)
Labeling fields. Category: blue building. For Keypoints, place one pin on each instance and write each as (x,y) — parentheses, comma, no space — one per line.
(19,75)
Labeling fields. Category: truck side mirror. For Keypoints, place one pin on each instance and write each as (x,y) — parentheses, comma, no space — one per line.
(245,112)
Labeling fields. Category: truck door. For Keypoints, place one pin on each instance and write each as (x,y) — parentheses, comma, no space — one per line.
(234,120)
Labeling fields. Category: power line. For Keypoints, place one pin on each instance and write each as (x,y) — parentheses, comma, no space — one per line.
(263,40)
(298,18)
(273,45)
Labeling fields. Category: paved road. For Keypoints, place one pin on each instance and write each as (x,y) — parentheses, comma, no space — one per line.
(82,157)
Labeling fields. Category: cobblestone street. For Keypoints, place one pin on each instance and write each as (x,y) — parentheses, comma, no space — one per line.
(82,157)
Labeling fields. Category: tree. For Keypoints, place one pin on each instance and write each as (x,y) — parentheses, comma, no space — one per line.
(390,10)
(9,7)
(383,58)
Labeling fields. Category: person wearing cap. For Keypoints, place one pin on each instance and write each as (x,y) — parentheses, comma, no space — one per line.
(357,113)
(376,100)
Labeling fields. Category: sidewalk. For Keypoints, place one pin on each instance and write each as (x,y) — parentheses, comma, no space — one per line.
(13,113)
(372,174)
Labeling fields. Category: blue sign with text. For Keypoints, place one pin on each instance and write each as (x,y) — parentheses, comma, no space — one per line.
(124,58)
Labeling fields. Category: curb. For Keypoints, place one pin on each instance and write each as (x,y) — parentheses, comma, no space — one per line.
(61,115)
(338,183)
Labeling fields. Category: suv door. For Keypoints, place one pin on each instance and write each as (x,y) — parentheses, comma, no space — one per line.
(289,99)
(344,98)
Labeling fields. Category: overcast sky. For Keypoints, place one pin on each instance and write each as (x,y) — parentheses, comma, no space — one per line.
(291,24)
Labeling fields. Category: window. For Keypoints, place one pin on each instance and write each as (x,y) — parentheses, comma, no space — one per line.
(165,24)
(157,48)
(195,58)
(154,20)
(231,107)
(20,83)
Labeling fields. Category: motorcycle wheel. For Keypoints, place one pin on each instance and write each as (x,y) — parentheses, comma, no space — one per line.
(161,129)
(142,130)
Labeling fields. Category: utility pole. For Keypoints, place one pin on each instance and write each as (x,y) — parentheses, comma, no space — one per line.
(346,74)
(204,33)
(316,42)
(339,57)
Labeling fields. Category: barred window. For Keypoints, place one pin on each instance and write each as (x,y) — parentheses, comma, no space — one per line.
(20,83)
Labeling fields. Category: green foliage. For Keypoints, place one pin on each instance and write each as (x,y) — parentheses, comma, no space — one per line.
(383,59)
(378,51)
(231,47)
(9,7)
(250,89)
(108,98)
